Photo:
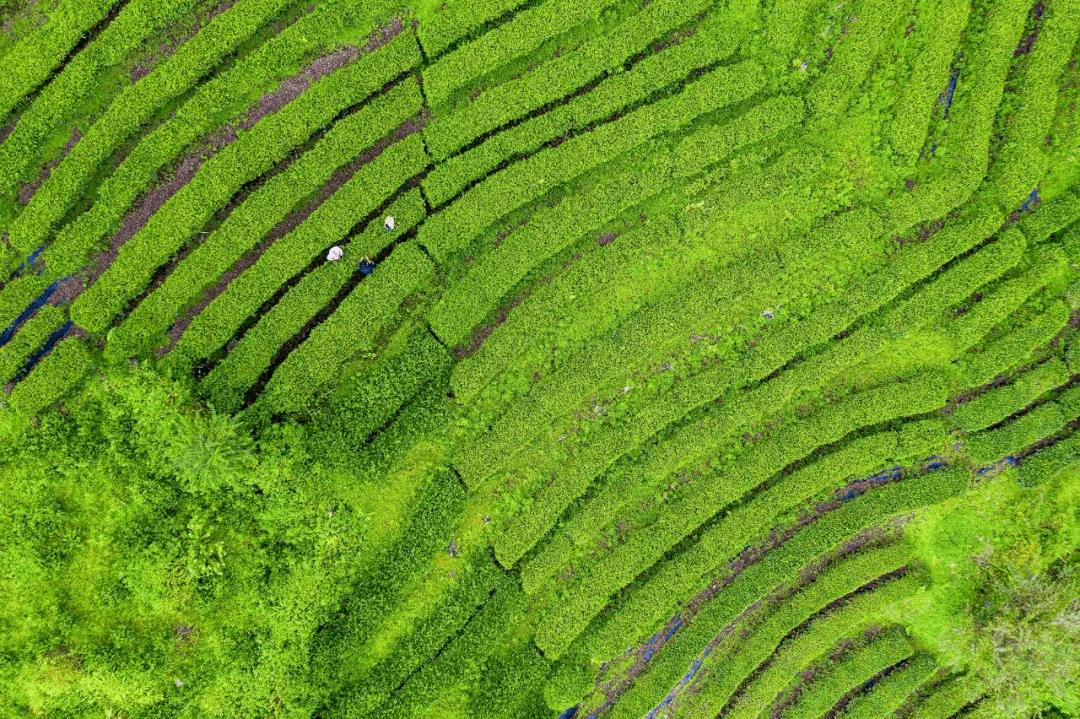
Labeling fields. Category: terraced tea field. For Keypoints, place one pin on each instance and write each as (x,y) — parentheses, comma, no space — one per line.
(688,309)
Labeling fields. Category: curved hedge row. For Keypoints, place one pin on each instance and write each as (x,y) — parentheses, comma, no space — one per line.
(366,190)
(811,642)
(997,404)
(643,549)
(31,336)
(723,671)
(524,32)
(889,693)
(630,618)
(129,110)
(658,72)
(37,55)
(468,301)
(255,152)
(1028,111)
(452,20)
(574,476)
(351,330)
(212,104)
(451,230)
(252,355)
(558,78)
(58,100)
(55,375)
(949,699)
(856,669)
(260,213)
(650,260)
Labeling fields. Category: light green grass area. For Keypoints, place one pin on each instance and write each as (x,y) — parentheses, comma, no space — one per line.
(684,358)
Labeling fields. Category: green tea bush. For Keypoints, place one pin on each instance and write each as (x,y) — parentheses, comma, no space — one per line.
(600,57)
(448,22)
(477,294)
(246,361)
(30,62)
(473,586)
(1022,158)
(888,695)
(351,330)
(723,672)
(58,373)
(137,21)
(630,619)
(30,337)
(944,23)
(367,400)
(368,188)
(648,259)
(985,448)
(950,698)
(258,214)
(213,104)
(1044,464)
(524,32)
(753,518)
(1015,348)
(714,143)
(242,161)
(132,107)
(813,640)
(829,96)
(451,230)
(857,668)
(960,161)
(641,550)
(997,404)
(715,41)
(773,352)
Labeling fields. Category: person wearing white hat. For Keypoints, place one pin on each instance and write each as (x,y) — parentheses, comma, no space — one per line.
(335,254)
(390,223)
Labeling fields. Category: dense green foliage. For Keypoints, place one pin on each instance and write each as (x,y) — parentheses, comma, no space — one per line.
(1005,600)
(450,359)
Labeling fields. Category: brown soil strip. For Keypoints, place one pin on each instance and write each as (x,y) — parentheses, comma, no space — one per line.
(66,291)
(5,131)
(173,40)
(26,193)
(1028,41)
(291,88)
(482,332)
(337,179)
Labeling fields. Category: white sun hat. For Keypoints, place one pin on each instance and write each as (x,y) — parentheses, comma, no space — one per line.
(335,253)
(390,223)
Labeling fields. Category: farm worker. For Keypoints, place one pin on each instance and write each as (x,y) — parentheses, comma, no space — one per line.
(334,254)
(366,266)
(390,223)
